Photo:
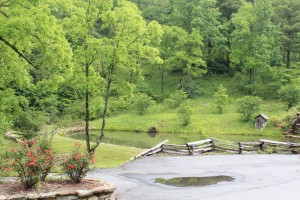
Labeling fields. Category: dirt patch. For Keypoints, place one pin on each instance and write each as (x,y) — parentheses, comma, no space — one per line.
(60,185)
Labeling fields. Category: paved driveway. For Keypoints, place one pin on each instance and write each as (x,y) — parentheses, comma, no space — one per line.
(257,177)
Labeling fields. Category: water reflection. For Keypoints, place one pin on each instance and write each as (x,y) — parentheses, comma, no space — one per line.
(194,181)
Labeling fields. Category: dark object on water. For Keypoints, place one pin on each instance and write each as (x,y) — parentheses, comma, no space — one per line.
(261,121)
(152,130)
(194,181)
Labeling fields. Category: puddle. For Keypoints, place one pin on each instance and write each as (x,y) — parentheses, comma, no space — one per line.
(194,181)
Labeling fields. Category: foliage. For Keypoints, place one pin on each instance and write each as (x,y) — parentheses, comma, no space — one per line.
(29,123)
(221,98)
(248,105)
(4,167)
(290,94)
(185,114)
(31,162)
(142,103)
(77,165)
(287,16)
(253,41)
(176,99)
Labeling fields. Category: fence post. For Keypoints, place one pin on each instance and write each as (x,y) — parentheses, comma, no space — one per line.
(261,146)
(240,148)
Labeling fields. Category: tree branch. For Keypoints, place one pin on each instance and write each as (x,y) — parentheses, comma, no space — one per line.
(3,3)
(15,49)
(4,14)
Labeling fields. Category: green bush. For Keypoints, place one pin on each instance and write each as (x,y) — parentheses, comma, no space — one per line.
(77,164)
(30,162)
(221,98)
(176,99)
(185,114)
(29,123)
(248,105)
(142,103)
(290,94)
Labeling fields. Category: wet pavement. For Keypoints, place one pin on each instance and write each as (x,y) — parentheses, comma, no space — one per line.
(249,177)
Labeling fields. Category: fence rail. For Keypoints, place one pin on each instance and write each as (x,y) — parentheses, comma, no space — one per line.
(217,145)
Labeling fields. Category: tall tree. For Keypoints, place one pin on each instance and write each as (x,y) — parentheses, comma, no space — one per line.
(80,23)
(253,40)
(33,50)
(126,31)
(287,16)
(181,52)
(204,16)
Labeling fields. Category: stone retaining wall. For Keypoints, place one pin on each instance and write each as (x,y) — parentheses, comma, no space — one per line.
(104,192)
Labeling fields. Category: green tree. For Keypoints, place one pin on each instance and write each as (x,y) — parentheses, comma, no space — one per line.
(82,18)
(33,50)
(287,16)
(204,16)
(126,31)
(290,94)
(253,42)
(248,105)
(221,98)
(182,53)
(185,114)
(142,103)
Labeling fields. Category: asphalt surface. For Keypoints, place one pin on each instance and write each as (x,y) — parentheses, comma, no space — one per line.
(256,177)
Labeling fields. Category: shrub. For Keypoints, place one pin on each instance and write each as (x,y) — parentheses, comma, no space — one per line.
(30,162)
(176,99)
(29,123)
(290,94)
(248,105)
(142,103)
(77,165)
(45,144)
(221,98)
(4,167)
(185,114)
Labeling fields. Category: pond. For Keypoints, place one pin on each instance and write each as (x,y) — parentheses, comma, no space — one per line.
(145,140)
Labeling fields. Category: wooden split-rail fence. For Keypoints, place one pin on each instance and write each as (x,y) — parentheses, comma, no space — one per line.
(216,145)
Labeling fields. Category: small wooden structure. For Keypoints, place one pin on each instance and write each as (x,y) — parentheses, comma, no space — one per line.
(261,121)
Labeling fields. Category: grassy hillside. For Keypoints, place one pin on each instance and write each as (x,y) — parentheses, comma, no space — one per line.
(205,119)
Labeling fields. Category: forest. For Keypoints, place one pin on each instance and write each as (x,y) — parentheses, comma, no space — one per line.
(89,60)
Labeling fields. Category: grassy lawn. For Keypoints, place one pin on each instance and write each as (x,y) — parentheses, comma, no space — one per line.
(106,156)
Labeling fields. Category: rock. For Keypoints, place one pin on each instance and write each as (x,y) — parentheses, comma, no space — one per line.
(48,195)
(68,197)
(2,197)
(33,196)
(17,197)
(84,193)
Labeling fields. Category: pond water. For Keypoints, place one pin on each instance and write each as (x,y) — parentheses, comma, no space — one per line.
(145,140)
(194,181)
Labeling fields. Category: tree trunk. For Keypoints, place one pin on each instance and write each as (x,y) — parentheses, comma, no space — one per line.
(162,78)
(104,110)
(87,111)
(250,82)
(131,76)
(288,59)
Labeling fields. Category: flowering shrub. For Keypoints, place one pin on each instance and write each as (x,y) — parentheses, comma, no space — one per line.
(4,167)
(30,162)
(77,165)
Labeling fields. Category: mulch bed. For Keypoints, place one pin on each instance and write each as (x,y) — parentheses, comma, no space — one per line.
(15,187)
